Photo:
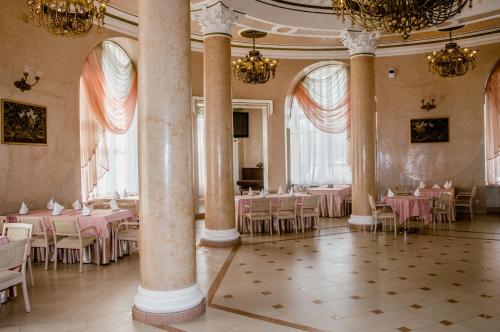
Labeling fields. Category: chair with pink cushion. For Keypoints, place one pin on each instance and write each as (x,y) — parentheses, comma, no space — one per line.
(40,237)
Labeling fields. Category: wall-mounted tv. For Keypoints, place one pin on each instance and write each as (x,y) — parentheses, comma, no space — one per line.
(240,124)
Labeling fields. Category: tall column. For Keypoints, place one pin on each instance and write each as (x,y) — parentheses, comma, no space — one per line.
(361,47)
(168,291)
(220,229)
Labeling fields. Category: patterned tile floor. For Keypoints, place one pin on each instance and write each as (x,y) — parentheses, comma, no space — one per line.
(332,279)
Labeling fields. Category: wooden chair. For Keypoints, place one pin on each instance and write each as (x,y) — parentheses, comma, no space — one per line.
(18,231)
(126,231)
(130,205)
(309,209)
(40,238)
(466,200)
(442,208)
(382,212)
(286,210)
(13,267)
(260,210)
(68,235)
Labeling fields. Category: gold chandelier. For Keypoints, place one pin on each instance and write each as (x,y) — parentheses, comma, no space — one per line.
(398,16)
(254,68)
(68,17)
(452,60)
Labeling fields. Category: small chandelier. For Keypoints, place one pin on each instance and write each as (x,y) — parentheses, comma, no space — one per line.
(398,16)
(452,60)
(254,68)
(68,17)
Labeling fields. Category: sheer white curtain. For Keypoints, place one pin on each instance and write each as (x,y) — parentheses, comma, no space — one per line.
(108,103)
(319,157)
(492,126)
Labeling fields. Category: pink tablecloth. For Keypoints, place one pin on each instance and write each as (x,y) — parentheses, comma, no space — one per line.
(410,206)
(4,240)
(331,202)
(46,214)
(242,201)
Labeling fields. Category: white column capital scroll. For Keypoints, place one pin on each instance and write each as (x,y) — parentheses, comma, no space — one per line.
(360,42)
(216,19)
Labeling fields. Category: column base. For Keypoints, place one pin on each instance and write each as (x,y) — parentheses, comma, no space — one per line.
(220,238)
(361,220)
(164,320)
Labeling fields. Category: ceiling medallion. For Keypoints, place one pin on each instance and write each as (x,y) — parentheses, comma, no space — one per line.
(398,16)
(68,17)
(452,60)
(254,68)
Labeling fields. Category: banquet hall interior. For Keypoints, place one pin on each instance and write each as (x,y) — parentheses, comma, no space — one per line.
(250,165)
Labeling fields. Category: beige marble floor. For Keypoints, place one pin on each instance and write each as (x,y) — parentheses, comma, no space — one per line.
(332,279)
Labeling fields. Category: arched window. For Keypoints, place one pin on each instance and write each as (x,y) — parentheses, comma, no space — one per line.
(492,126)
(319,123)
(108,123)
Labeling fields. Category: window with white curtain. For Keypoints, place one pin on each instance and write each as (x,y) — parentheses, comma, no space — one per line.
(320,156)
(108,123)
(492,127)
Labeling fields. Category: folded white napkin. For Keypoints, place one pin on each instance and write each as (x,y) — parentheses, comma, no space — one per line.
(280,190)
(436,186)
(421,185)
(117,195)
(390,193)
(262,193)
(417,193)
(24,209)
(447,185)
(50,204)
(113,205)
(77,205)
(58,208)
(125,193)
(250,191)
(86,211)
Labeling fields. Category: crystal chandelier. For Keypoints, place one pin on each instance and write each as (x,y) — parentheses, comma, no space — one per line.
(254,68)
(398,16)
(68,17)
(452,60)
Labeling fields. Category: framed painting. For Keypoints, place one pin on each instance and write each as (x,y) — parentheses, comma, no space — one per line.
(23,123)
(429,130)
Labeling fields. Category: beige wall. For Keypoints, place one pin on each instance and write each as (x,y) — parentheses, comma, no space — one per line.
(253,144)
(34,173)
(460,99)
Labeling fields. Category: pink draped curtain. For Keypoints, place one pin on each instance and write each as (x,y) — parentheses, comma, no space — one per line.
(108,99)
(492,126)
(325,102)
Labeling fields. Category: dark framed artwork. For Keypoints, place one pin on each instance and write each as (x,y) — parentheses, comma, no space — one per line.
(429,130)
(23,123)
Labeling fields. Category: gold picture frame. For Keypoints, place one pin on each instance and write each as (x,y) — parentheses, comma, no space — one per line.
(23,123)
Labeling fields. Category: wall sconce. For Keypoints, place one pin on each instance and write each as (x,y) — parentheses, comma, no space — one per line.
(23,84)
(428,105)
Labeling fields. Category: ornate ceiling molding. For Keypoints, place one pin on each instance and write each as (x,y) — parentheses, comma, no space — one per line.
(216,19)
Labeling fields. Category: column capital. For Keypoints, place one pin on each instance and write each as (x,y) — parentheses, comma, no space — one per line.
(360,42)
(216,19)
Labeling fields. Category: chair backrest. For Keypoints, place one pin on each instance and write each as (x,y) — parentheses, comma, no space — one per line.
(100,204)
(286,203)
(473,193)
(445,198)
(372,203)
(17,231)
(311,202)
(129,205)
(260,205)
(65,226)
(3,220)
(37,222)
(13,254)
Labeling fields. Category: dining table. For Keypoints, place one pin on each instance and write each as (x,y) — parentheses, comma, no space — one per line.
(410,206)
(331,202)
(242,205)
(105,221)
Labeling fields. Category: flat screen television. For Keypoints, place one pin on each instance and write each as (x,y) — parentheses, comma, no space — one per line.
(240,124)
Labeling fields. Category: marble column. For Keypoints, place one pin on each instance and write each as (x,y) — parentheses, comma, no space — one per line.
(168,291)
(361,47)
(216,22)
